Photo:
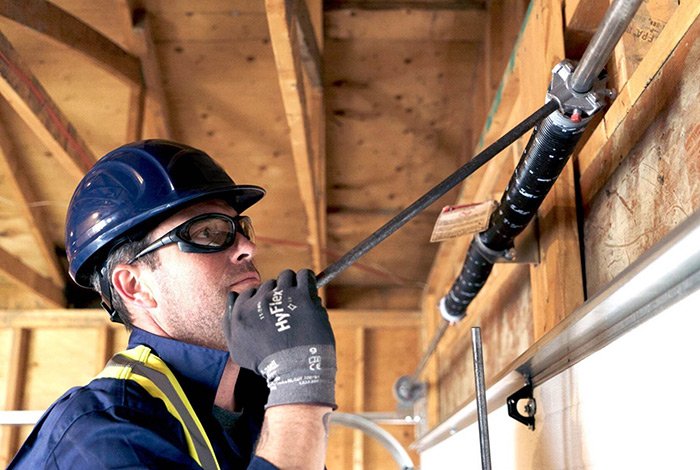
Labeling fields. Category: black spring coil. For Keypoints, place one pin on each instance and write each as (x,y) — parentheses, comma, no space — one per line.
(544,158)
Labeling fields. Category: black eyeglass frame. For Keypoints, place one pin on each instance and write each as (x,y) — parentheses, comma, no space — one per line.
(179,235)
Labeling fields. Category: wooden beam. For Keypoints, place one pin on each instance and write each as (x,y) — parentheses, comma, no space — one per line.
(55,318)
(375,318)
(48,19)
(94,318)
(557,280)
(14,395)
(156,102)
(23,195)
(135,118)
(646,92)
(26,277)
(309,50)
(34,105)
(282,20)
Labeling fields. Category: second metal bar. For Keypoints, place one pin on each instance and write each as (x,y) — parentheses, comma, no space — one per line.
(481,409)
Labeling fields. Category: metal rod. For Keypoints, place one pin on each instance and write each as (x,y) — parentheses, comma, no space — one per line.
(611,29)
(439,333)
(481,409)
(325,276)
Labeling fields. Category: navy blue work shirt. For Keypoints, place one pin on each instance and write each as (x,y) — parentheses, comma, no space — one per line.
(112,423)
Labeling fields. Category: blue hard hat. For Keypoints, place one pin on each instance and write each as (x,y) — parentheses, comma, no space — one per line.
(132,189)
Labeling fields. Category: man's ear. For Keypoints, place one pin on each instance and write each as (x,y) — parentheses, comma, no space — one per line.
(129,284)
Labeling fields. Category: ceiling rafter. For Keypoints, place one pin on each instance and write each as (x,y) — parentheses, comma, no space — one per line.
(23,195)
(308,47)
(144,47)
(36,108)
(17,271)
(289,28)
(55,23)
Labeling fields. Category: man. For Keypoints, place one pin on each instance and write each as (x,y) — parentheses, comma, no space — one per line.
(156,228)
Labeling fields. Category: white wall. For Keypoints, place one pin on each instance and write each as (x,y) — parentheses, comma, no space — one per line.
(634,404)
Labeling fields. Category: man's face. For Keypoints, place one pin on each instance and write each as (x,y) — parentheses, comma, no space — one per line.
(191,288)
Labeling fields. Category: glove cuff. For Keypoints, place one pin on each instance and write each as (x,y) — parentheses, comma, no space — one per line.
(301,375)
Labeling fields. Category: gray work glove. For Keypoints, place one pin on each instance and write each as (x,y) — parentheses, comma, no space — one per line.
(281,331)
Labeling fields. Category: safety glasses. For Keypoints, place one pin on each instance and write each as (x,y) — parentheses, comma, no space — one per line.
(206,233)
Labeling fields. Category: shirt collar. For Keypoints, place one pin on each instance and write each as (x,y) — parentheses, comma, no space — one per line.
(197,368)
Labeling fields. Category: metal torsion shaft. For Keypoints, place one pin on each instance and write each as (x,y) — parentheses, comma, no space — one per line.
(434,194)
(543,160)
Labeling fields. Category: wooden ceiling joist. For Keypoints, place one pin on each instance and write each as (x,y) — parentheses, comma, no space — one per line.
(34,105)
(156,105)
(283,22)
(310,54)
(26,277)
(52,21)
(23,195)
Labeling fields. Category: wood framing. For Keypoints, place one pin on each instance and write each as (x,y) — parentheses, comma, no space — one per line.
(28,278)
(284,32)
(48,19)
(645,93)
(23,195)
(556,281)
(308,46)
(156,104)
(14,397)
(135,120)
(34,105)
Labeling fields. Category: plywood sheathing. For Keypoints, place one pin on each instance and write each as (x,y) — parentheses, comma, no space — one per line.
(412,71)
(656,186)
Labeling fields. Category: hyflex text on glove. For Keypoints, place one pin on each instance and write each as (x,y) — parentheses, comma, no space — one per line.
(281,330)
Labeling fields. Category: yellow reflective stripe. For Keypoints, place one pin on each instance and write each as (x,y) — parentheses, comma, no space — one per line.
(139,365)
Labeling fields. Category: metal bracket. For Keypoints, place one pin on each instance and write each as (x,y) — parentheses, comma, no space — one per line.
(526,249)
(490,255)
(530,407)
(578,107)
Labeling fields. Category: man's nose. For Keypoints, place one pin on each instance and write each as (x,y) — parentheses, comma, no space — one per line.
(243,249)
